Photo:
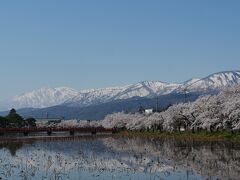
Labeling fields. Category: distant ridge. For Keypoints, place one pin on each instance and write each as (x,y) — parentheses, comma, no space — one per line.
(47,97)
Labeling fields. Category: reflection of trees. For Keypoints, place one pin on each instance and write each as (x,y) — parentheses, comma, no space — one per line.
(204,157)
(60,158)
(12,147)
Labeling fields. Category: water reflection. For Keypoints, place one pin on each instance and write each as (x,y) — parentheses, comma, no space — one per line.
(118,158)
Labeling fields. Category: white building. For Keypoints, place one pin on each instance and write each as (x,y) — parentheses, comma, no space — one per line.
(148,111)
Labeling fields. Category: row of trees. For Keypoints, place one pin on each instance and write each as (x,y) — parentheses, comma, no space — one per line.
(15,120)
(211,113)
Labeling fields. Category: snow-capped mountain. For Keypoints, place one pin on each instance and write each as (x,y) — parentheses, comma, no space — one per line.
(142,89)
(44,97)
(216,81)
(47,97)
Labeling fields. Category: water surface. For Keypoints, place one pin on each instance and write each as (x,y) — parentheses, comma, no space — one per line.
(111,157)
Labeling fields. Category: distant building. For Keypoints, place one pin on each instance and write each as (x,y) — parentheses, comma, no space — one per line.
(182,128)
(48,120)
(148,111)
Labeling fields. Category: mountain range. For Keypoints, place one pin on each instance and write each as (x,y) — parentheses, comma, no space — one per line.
(65,97)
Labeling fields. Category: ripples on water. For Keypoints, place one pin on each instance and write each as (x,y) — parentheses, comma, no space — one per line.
(110,157)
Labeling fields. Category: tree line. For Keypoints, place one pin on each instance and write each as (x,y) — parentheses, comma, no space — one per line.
(14,120)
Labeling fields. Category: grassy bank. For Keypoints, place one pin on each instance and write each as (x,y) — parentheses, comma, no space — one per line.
(203,135)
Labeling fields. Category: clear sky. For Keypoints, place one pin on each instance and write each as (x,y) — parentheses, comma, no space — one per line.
(91,44)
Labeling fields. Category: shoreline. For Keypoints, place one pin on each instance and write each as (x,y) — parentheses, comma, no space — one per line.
(201,136)
(197,136)
(49,138)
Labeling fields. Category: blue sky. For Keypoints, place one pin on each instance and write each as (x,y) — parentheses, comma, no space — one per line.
(91,44)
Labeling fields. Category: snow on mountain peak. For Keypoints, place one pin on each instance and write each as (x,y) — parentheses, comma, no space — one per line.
(43,97)
(46,97)
(142,89)
(226,78)
(214,81)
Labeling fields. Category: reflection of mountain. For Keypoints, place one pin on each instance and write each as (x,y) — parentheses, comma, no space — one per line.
(105,157)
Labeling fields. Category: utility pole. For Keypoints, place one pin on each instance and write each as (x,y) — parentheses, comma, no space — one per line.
(185,95)
(185,90)
(157,104)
